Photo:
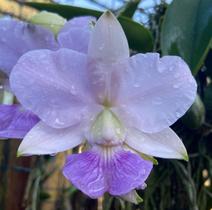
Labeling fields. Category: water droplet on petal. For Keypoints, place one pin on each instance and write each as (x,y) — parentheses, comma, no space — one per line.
(178,114)
(73,90)
(136,85)
(171,68)
(175,86)
(160,69)
(57,120)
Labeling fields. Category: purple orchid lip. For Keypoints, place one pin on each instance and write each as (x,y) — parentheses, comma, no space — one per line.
(108,169)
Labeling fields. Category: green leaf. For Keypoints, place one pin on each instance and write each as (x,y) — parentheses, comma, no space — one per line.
(130,8)
(139,38)
(208,100)
(187,31)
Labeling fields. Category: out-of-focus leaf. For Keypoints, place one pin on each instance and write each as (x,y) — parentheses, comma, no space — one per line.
(187,31)
(138,36)
(208,63)
(195,116)
(130,8)
(208,100)
(49,20)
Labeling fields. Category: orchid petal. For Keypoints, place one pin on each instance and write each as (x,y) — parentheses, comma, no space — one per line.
(17,38)
(108,42)
(85,172)
(42,139)
(15,122)
(127,171)
(53,84)
(155,92)
(164,144)
(76,33)
(118,174)
(108,45)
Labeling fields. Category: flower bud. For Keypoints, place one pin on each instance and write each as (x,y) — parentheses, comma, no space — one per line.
(49,20)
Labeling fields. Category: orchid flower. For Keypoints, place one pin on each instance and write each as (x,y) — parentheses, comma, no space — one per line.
(19,37)
(117,106)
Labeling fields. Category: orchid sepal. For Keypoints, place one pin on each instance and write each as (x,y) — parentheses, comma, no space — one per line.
(132,197)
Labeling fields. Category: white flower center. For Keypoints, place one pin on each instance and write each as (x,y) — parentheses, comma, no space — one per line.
(107,129)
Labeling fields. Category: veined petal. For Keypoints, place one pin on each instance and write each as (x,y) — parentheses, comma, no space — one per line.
(76,33)
(164,144)
(108,46)
(53,84)
(15,122)
(106,169)
(42,139)
(85,172)
(17,38)
(155,92)
(108,42)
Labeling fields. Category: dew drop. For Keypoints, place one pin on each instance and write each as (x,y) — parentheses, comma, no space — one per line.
(136,85)
(178,114)
(175,86)
(101,47)
(73,90)
(171,68)
(57,120)
(160,69)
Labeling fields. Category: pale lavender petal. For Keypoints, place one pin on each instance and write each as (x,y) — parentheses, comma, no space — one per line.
(42,139)
(53,84)
(94,174)
(108,42)
(155,91)
(104,82)
(86,173)
(16,38)
(107,47)
(76,34)
(164,144)
(15,122)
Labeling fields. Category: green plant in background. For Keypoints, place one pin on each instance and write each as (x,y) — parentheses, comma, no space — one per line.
(182,28)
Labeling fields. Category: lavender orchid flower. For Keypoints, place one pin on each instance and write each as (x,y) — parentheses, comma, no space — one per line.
(17,38)
(119,106)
